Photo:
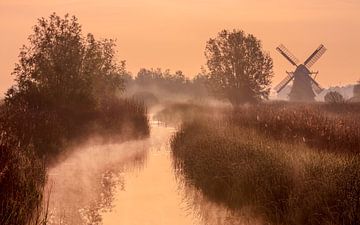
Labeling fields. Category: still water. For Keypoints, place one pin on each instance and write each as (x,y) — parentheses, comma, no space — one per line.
(151,195)
(132,183)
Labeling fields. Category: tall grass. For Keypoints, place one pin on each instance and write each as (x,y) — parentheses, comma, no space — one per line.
(323,126)
(22,176)
(281,182)
(28,147)
(66,88)
(229,166)
(176,113)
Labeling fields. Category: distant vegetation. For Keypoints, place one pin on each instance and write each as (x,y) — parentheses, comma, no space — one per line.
(334,97)
(357,89)
(238,71)
(287,163)
(155,86)
(67,87)
(283,163)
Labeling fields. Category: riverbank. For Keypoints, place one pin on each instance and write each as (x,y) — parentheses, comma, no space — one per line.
(277,180)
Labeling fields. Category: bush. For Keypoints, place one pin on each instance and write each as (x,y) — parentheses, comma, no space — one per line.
(334,97)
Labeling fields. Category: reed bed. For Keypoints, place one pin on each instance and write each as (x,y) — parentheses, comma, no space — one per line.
(29,147)
(238,163)
(330,127)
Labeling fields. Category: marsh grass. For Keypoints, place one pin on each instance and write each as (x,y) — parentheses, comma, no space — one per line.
(29,147)
(176,113)
(283,183)
(329,127)
(22,176)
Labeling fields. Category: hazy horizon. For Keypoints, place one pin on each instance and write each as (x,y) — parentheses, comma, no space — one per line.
(173,34)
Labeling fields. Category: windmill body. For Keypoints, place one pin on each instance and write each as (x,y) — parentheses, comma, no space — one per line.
(304,88)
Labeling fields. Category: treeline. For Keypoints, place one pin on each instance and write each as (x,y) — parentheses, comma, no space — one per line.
(238,71)
(157,85)
(67,88)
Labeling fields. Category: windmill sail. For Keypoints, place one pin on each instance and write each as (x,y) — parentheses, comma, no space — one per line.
(288,55)
(284,82)
(315,56)
(316,86)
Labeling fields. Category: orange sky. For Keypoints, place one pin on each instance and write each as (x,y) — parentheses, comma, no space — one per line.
(172,33)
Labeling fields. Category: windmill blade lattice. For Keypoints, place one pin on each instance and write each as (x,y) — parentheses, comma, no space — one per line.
(284,82)
(288,55)
(315,56)
(316,86)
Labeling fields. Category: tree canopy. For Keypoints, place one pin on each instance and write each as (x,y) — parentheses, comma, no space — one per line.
(239,69)
(334,97)
(62,77)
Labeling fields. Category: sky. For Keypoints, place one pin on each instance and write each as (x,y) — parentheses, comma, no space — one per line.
(172,34)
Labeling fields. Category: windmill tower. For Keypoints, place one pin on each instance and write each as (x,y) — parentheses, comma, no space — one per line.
(304,85)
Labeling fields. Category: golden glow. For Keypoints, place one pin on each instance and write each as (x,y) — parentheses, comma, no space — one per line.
(172,33)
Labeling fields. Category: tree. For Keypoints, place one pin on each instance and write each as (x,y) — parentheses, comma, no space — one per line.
(334,97)
(61,78)
(239,70)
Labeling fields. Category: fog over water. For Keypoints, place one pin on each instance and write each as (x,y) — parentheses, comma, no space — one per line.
(129,183)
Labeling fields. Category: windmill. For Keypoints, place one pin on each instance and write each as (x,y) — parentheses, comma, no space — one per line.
(304,85)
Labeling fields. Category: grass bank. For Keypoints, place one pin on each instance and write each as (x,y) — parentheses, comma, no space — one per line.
(282,182)
(67,87)
(329,127)
(29,147)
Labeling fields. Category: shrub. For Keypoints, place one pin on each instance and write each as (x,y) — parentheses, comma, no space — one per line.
(334,97)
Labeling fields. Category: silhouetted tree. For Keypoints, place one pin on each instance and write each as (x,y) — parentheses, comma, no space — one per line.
(62,77)
(334,97)
(66,86)
(239,69)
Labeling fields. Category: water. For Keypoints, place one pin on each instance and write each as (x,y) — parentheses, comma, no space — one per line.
(132,183)
(151,195)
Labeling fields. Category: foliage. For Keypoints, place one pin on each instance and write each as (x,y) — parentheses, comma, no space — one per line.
(176,113)
(67,86)
(326,127)
(22,176)
(163,79)
(148,98)
(239,69)
(279,182)
(334,97)
(165,85)
(63,78)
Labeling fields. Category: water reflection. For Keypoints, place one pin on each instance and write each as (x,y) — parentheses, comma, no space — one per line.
(151,196)
(82,187)
(211,213)
(133,183)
